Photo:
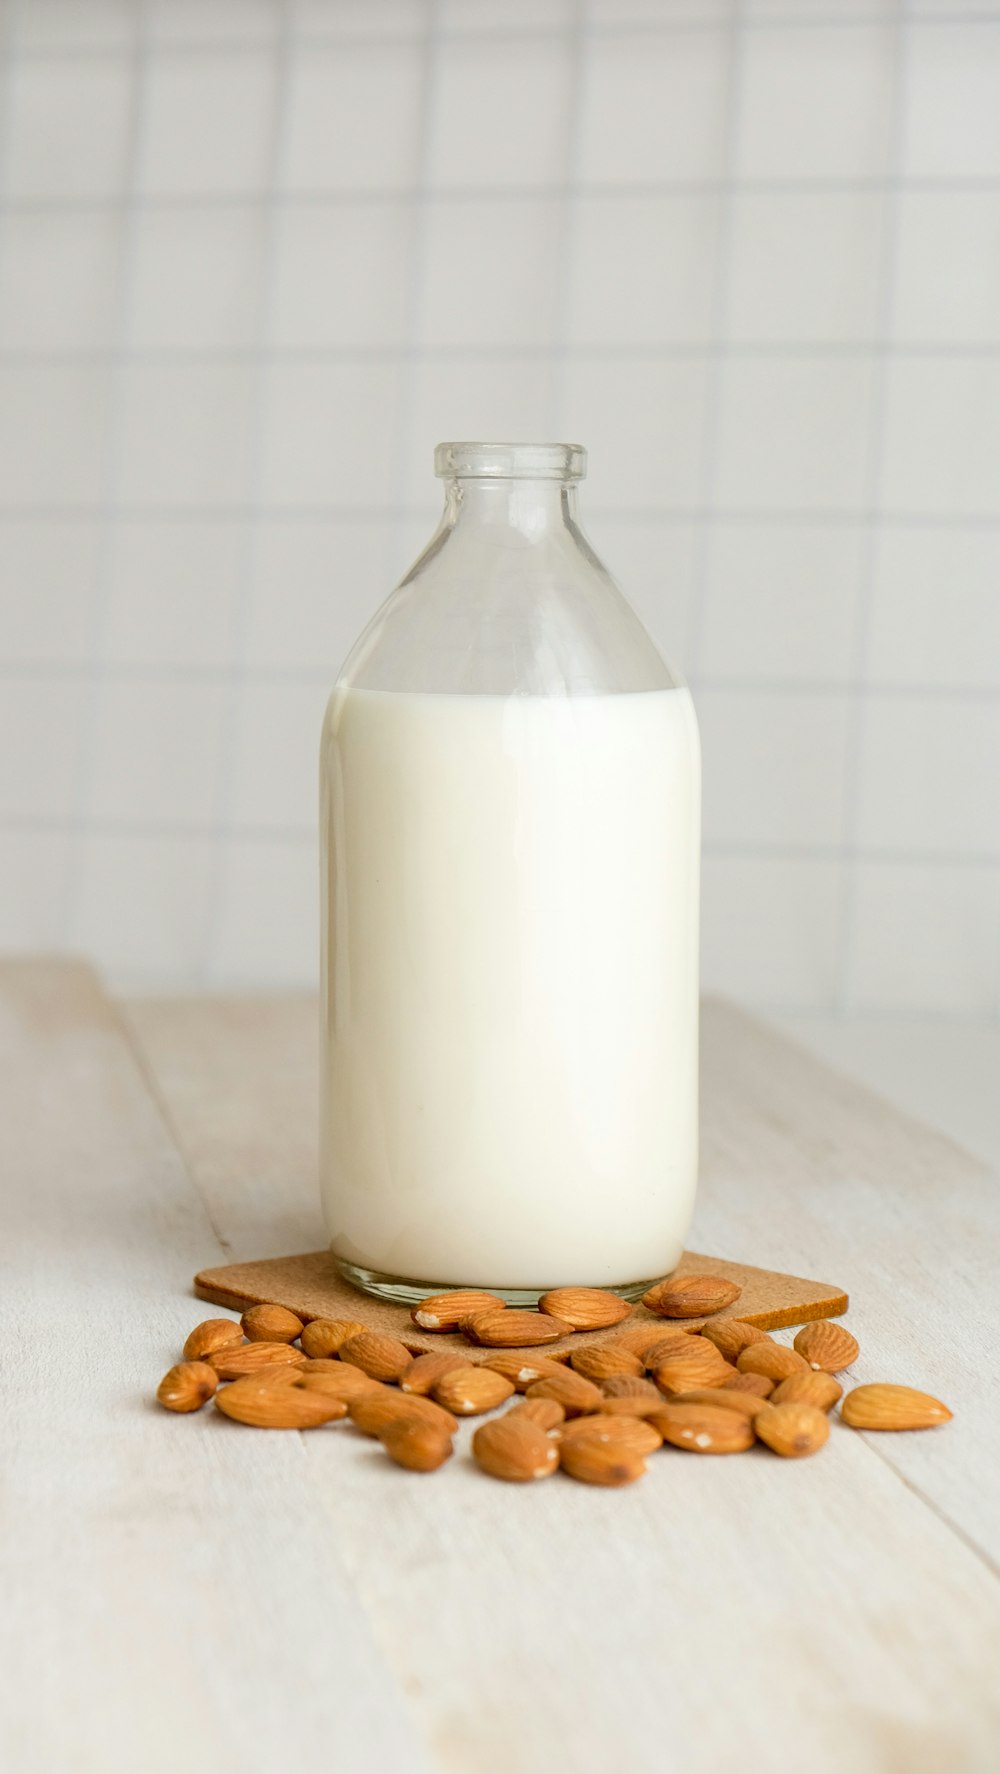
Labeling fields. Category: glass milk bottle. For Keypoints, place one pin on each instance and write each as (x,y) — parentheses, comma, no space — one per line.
(510,820)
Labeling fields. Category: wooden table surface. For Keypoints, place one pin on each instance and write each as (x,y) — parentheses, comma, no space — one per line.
(185,1594)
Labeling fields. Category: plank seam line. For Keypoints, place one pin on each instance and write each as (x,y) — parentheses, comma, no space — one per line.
(979,1552)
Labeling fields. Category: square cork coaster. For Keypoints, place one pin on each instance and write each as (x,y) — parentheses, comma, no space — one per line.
(312,1286)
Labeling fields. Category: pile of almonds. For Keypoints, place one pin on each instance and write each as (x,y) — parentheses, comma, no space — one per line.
(717,1389)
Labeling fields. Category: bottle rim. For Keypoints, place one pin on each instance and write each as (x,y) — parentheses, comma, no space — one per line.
(510,461)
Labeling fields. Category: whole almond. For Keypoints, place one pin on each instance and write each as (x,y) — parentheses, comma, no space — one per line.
(469,1391)
(383,1358)
(262,1404)
(418,1446)
(892,1407)
(211,1334)
(600,1360)
(691,1296)
(187,1386)
(703,1428)
(724,1398)
(792,1430)
(585,1308)
(822,1390)
(510,1330)
(423,1373)
(323,1337)
(544,1411)
(635,1434)
(514,1448)
(758,1385)
(572,1391)
(731,1335)
(630,1386)
(250,1358)
(774,1360)
(337,1378)
(827,1347)
(522,1369)
(445,1312)
(271,1324)
(593,1461)
(371,1411)
(702,1367)
(673,1342)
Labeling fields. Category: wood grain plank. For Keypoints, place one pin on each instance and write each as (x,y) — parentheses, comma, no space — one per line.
(780,1614)
(157,1574)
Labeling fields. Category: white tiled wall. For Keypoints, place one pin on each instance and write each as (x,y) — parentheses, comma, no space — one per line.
(258,256)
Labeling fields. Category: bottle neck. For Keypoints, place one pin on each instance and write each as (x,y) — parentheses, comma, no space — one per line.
(531,508)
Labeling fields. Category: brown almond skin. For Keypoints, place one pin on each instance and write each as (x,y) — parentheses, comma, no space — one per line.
(592,1461)
(732,1335)
(774,1360)
(271,1324)
(722,1398)
(601,1360)
(576,1395)
(585,1308)
(337,1378)
(258,1402)
(821,1390)
(673,1342)
(187,1386)
(883,1406)
(324,1337)
(515,1449)
(250,1358)
(418,1446)
(211,1334)
(445,1312)
(691,1296)
(371,1411)
(423,1373)
(792,1430)
(641,1338)
(510,1329)
(637,1435)
(382,1358)
(758,1385)
(545,1412)
(629,1386)
(827,1347)
(521,1368)
(469,1391)
(703,1428)
(703,1367)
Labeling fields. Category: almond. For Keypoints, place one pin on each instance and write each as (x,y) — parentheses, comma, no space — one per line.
(572,1391)
(421,1375)
(469,1391)
(258,1401)
(821,1390)
(445,1312)
(371,1411)
(418,1446)
(704,1366)
(758,1385)
(774,1360)
(670,1343)
(691,1296)
(323,1337)
(271,1324)
(381,1357)
(337,1378)
(514,1448)
(892,1407)
(630,1386)
(585,1308)
(251,1358)
(703,1428)
(211,1334)
(593,1461)
(792,1430)
(634,1434)
(827,1347)
(642,1336)
(523,1369)
(546,1412)
(602,1360)
(722,1397)
(510,1330)
(187,1386)
(731,1335)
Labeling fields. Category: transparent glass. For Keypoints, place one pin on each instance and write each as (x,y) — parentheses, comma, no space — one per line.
(510,809)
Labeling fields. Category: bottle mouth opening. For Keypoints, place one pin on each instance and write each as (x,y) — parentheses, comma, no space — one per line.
(510,461)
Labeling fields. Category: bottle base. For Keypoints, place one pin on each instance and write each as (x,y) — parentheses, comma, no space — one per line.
(401,1292)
